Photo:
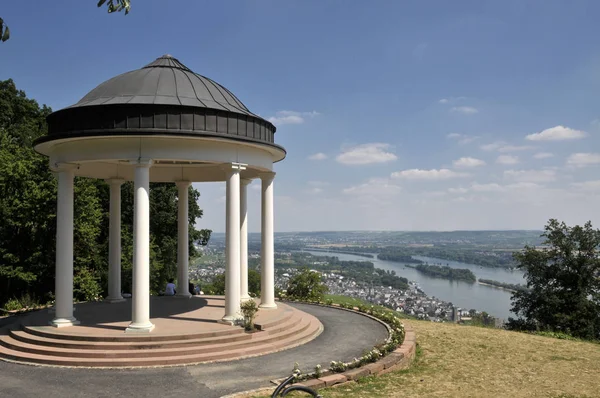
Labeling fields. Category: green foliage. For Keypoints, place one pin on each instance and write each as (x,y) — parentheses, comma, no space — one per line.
(116,5)
(28,215)
(249,310)
(13,305)
(217,285)
(508,286)
(86,286)
(306,285)
(459,274)
(563,281)
(4,31)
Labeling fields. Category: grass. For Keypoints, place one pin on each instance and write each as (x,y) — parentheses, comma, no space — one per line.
(465,361)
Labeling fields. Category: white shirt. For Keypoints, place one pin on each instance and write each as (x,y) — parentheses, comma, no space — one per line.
(170,290)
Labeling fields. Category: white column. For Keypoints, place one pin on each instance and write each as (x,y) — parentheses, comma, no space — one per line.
(232,245)
(114,242)
(267,252)
(182,240)
(244,239)
(140,303)
(64,248)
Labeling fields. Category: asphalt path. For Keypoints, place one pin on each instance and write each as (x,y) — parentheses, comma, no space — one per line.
(346,335)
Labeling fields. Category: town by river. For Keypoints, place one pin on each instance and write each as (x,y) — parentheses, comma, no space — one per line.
(462,294)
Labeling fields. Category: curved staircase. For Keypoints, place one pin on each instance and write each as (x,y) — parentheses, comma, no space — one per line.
(62,347)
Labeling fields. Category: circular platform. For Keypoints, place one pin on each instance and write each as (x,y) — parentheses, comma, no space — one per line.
(186,332)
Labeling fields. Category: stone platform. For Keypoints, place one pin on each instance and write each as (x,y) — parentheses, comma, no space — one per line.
(186,332)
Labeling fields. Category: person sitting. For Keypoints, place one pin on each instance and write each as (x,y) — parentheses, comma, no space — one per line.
(170,289)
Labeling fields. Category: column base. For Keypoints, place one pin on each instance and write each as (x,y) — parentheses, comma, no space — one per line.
(231,320)
(64,322)
(114,300)
(52,310)
(184,295)
(140,328)
(245,298)
(267,306)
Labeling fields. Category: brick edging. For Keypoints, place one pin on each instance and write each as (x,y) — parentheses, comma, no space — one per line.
(400,358)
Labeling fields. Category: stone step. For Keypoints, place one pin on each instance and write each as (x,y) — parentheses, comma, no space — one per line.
(52,333)
(25,336)
(310,331)
(287,314)
(125,351)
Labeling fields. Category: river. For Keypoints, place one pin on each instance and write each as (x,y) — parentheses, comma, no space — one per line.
(462,294)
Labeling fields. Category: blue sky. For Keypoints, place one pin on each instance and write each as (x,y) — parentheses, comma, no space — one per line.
(429,115)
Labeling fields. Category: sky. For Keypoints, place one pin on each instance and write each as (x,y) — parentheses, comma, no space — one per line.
(396,115)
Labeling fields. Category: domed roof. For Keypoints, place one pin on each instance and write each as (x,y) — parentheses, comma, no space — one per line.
(166,81)
(163,98)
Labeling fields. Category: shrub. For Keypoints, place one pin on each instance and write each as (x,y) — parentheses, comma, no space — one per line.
(306,286)
(13,305)
(249,309)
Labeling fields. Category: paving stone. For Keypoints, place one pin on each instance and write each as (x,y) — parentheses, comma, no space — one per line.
(313,383)
(374,368)
(333,379)
(356,374)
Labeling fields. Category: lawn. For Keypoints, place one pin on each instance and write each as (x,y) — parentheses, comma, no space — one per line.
(466,361)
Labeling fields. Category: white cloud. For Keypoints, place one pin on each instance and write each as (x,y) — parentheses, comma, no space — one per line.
(583,159)
(468,162)
(543,155)
(507,159)
(291,117)
(557,133)
(451,100)
(317,156)
(530,175)
(493,146)
(374,187)
(465,110)
(462,139)
(371,153)
(433,174)
(587,186)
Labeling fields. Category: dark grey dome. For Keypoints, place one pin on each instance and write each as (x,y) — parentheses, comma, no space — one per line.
(166,81)
(163,98)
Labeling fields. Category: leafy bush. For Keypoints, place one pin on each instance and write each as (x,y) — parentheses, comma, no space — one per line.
(306,286)
(13,305)
(249,309)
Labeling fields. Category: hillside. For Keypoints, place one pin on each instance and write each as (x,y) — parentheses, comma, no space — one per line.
(465,361)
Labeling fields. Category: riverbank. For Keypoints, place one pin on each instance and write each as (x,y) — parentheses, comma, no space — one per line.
(497,287)
(462,294)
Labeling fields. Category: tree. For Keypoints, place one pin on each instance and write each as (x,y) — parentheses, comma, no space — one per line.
(306,285)
(112,6)
(28,216)
(563,281)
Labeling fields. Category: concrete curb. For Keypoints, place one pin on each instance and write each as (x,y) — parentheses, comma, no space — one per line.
(398,359)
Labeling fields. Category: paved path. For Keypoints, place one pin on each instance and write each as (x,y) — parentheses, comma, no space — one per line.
(346,336)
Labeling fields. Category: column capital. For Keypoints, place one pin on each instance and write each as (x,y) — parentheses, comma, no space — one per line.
(59,166)
(141,162)
(234,166)
(183,184)
(267,175)
(245,181)
(115,181)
